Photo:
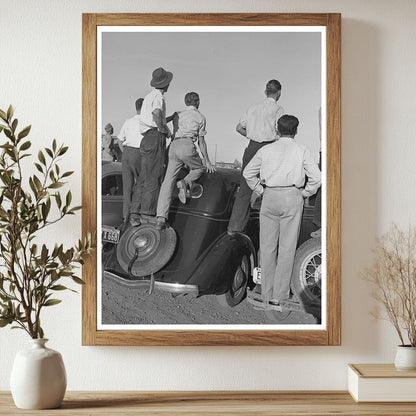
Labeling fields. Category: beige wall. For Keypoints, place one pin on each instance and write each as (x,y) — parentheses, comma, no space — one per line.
(40,73)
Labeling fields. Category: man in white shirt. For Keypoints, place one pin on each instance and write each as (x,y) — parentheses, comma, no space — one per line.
(258,124)
(278,172)
(182,151)
(153,126)
(130,137)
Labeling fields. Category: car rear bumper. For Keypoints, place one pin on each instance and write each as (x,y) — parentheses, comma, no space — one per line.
(152,284)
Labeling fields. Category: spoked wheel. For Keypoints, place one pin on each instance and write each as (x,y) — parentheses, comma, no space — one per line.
(237,291)
(307,272)
(144,250)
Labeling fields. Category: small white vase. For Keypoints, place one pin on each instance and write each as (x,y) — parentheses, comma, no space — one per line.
(38,377)
(405,358)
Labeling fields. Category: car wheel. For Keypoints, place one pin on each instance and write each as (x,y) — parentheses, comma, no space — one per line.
(235,294)
(144,250)
(307,272)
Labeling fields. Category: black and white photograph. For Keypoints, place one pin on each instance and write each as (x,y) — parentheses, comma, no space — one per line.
(210,175)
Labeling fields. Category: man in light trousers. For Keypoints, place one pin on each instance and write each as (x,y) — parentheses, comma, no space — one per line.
(282,167)
(130,137)
(191,125)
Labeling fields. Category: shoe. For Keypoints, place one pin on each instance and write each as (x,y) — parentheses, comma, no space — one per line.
(161,223)
(135,220)
(316,233)
(182,191)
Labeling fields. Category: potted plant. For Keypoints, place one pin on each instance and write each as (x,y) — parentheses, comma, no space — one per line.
(393,277)
(31,271)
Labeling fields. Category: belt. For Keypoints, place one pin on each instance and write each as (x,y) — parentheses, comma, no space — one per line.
(185,137)
(281,187)
(266,142)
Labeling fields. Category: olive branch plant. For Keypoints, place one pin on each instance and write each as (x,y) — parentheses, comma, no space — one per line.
(393,278)
(30,272)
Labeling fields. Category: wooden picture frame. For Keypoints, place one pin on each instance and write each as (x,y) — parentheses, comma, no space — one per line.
(331,334)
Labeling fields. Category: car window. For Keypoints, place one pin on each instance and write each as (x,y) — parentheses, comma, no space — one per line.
(112,185)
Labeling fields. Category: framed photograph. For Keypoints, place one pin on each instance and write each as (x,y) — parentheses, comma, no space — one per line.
(211,172)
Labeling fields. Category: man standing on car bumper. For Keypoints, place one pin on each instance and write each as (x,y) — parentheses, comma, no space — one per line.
(282,166)
(258,124)
(152,148)
(130,137)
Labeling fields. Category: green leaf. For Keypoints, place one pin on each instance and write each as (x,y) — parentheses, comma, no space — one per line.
(54,145)
(37,182)
(76,279)
(39,167)
(5,321)
(44,253)
(49,152)
(62,150)
(68,198)
(59,287)
(56,185)
(77,208)
(41,157)
(8,133)
(3,115)
(10,112)
(45,211)
(40,331)
(58,199)
(24,132)
(51,302)
(69,173)
(14,125)
(25,145)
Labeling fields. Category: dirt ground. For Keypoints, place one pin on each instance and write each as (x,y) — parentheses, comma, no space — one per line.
(124,305)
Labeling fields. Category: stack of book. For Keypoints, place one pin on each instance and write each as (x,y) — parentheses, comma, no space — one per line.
(381,383)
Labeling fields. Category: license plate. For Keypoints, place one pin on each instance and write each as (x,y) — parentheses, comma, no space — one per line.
(110,235)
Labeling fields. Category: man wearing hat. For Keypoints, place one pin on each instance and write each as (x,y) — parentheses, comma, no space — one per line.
(153,126)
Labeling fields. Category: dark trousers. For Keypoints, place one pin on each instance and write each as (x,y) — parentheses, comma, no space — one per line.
(131,163)
(146,190)
(241,209)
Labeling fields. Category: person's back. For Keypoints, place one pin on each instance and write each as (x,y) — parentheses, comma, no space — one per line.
(258,124)
(261,120)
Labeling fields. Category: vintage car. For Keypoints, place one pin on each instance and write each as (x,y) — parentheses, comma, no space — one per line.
(195,254)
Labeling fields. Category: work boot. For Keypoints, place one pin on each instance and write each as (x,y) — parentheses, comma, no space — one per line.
(182,191)
(161,223)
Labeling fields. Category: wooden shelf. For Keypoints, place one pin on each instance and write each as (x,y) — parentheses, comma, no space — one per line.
(270,403)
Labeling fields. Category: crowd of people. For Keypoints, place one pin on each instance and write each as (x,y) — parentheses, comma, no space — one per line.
(274,166)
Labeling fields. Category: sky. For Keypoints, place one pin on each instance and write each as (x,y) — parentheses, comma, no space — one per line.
(229,71)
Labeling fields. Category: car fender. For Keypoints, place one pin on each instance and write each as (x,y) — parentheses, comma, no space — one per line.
(214,273)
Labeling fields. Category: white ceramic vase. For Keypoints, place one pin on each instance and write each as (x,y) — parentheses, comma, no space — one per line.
(405,358)
(38,377)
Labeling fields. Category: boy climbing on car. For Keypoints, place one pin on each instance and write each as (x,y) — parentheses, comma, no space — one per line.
(190,125)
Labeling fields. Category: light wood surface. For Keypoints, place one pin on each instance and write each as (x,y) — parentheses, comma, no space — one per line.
(332,334)
(212,403)
(380,371)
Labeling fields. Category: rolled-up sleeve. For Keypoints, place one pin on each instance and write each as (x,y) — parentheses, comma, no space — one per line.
(251,173)
(202,128)
(313,173)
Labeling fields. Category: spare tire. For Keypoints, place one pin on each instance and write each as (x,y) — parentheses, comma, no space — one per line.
(144,250)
